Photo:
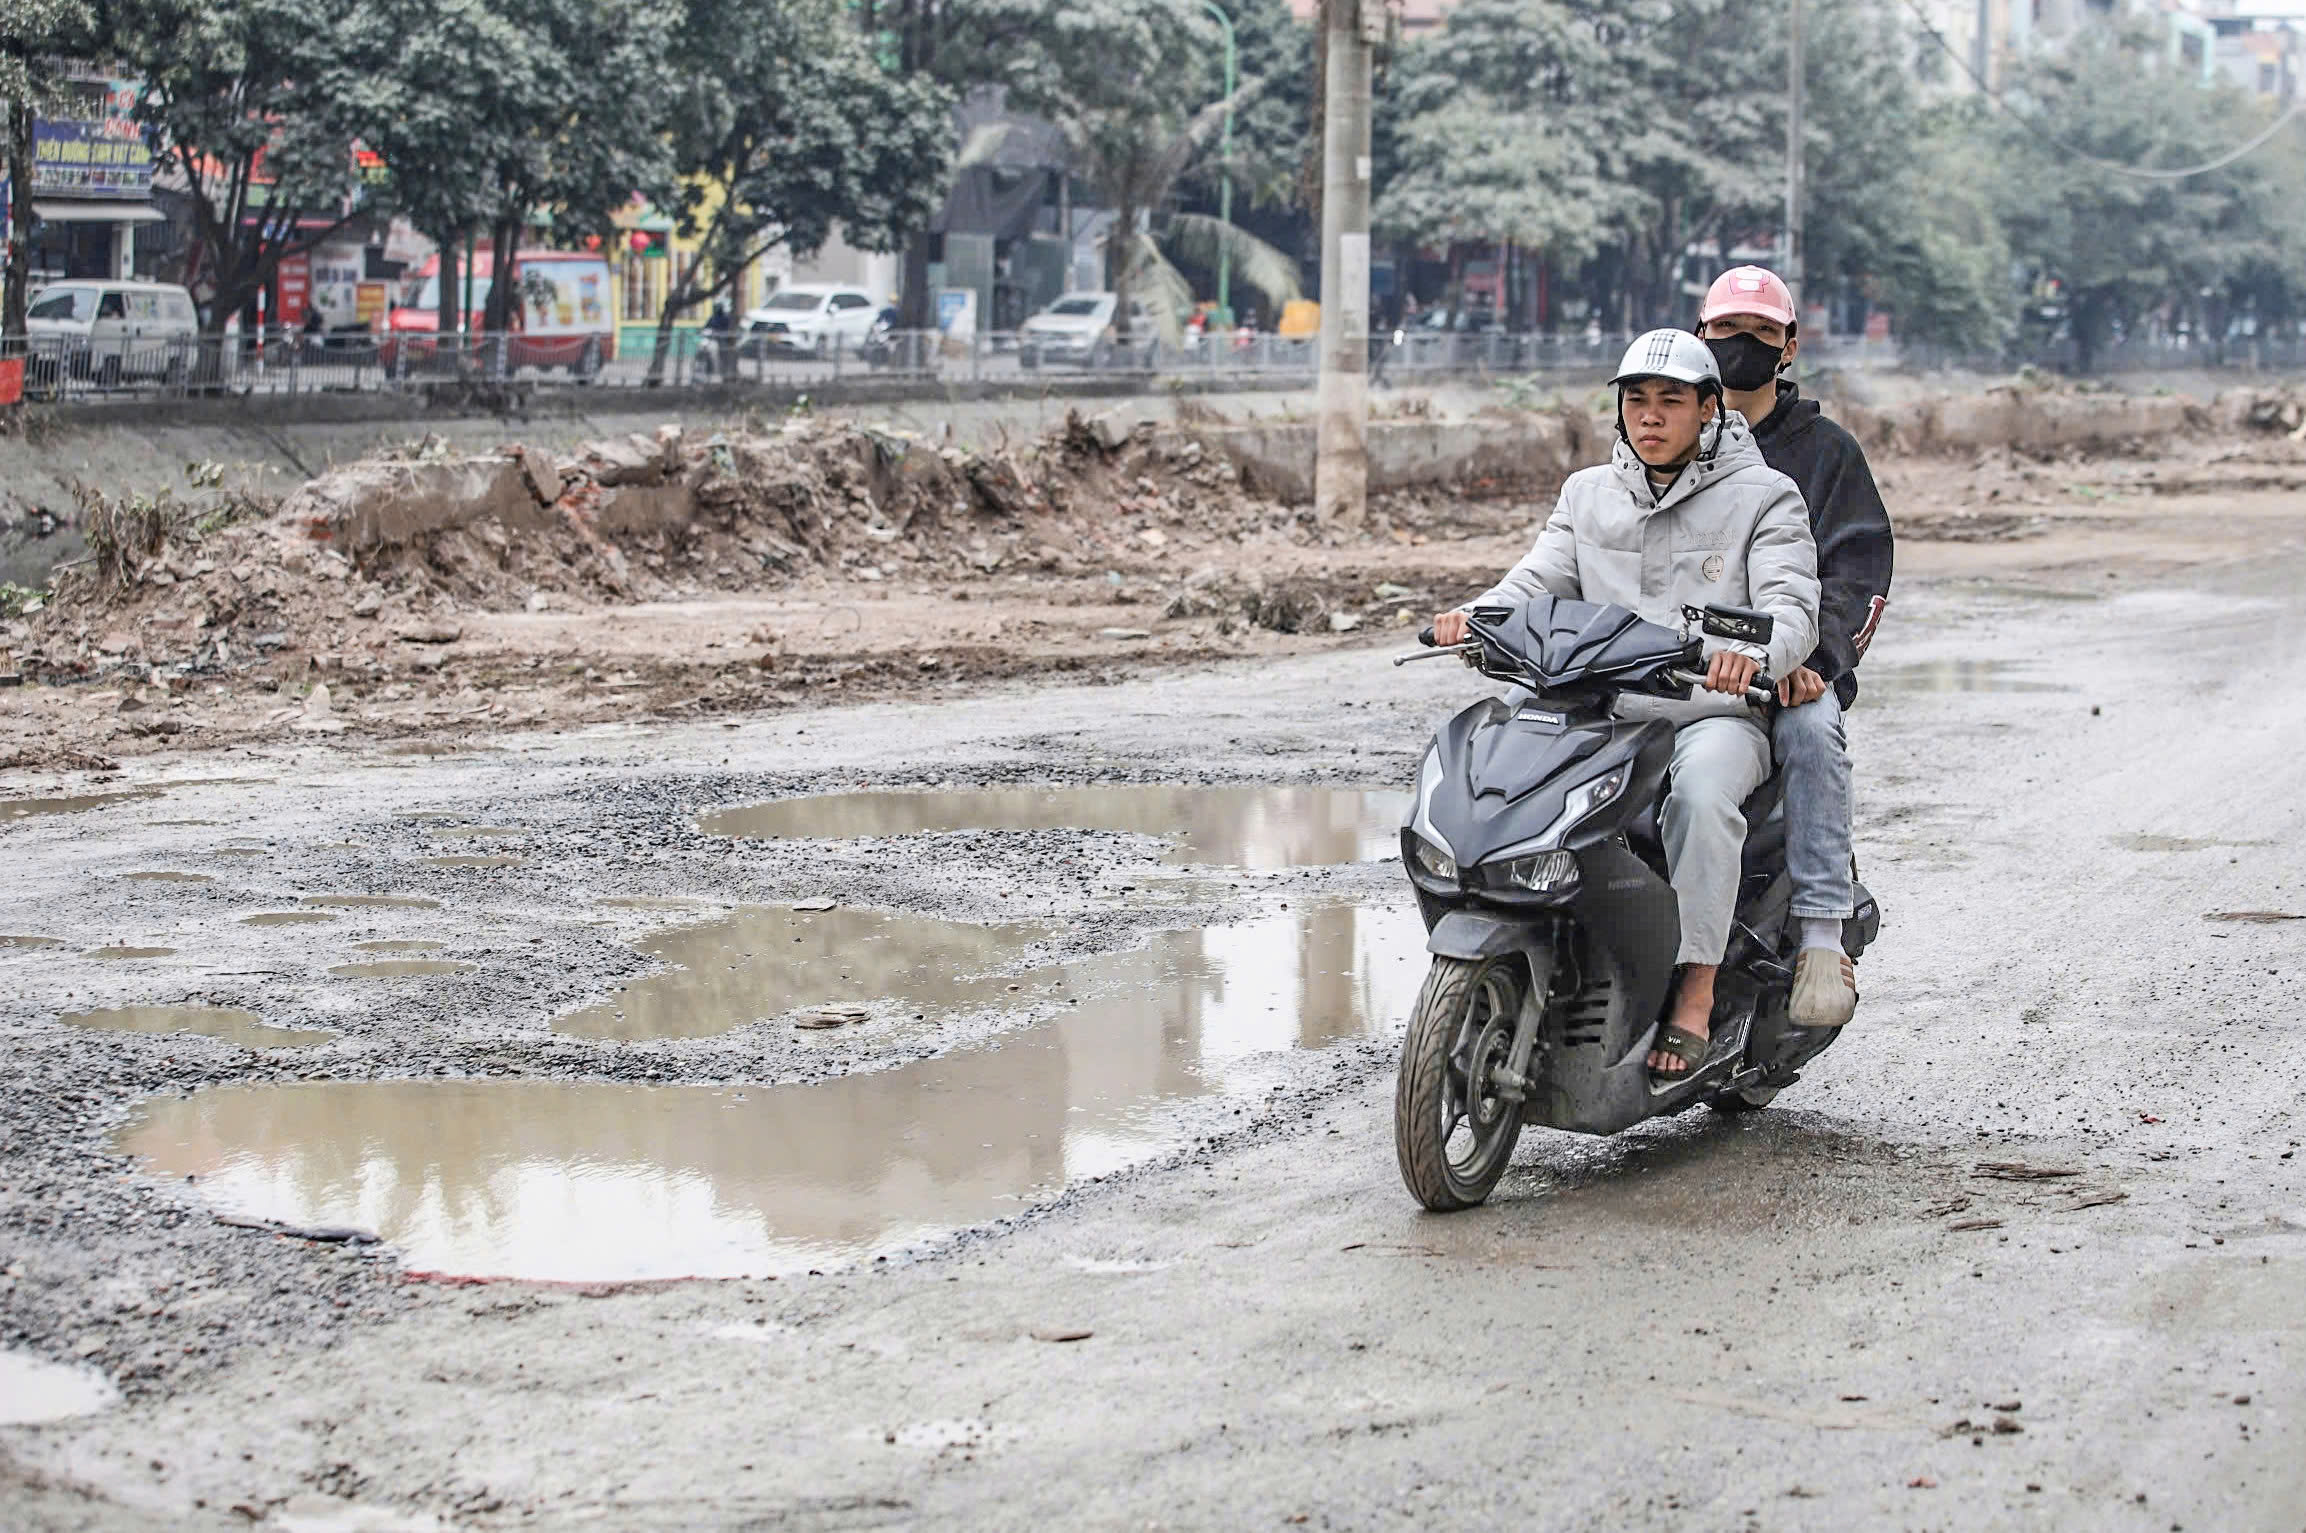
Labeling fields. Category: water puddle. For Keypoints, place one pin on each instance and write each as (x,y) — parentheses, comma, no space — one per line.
(32,942)
(166,876)
(241,851)
(652,902)
(287,918)
(474,862)
(2150,843)
(762,963)
(413,945)
(244,1028)
(371,901)
(1955,676)
(475,832)
(400,968)
(595,1182)
(1250,827)
(130,952)
(33,1389)
(26,808)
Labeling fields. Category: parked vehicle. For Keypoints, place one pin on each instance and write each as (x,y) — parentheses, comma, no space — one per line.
(109,331)
(1539,867)
(1078,328)
(811,318)
(563,319)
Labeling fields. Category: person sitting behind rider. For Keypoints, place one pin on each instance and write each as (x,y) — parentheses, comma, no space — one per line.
(1685,513)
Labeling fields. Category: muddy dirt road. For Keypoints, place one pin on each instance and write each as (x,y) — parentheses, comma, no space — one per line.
(2022,1250)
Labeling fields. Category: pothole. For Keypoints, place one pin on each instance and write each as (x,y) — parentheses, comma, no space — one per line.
(1242,826)
(412,945)
(1954,676)
(604,1182)
(33,1389)
(762,963)
(244,1028)
(287,918)
(26,808)
(371,901)
(168,876)
(32,942)
(129,952)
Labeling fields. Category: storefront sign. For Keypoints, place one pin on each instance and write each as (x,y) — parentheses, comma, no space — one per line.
(92,149)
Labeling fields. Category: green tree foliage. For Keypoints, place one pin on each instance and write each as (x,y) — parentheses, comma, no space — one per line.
(237,99)
(784,125)
(2117,247)
(34,35)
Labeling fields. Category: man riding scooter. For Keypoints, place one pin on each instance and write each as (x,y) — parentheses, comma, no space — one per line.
(1685,514)
(1748,324)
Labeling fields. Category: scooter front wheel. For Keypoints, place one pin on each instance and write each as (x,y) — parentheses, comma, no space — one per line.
(1452,1131)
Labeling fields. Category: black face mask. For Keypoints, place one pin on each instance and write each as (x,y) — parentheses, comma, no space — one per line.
(1746,361)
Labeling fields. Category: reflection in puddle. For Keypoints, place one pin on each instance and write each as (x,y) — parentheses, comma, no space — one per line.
(549,1180)
(762,963)
(413,945)
(244,1028)
(165,876)
(25,808)
(287,918)
(1251,827)
(368,901)
(400,968)
(130,952)
(32,1389)
(1956,676)
(31,942)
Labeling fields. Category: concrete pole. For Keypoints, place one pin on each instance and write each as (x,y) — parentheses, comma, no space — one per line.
(1225,183)
(1341,469)
(1792,254)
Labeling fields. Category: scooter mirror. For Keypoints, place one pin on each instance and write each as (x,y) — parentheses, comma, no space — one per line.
(1739,625)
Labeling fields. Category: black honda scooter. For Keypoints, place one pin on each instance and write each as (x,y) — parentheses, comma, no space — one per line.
(1535,852)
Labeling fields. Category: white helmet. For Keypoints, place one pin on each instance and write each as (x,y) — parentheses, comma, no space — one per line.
(1674,354)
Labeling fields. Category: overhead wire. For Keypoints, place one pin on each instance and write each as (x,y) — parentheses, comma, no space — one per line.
(2138,172)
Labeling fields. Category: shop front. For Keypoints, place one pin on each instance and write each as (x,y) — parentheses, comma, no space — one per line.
(91,188)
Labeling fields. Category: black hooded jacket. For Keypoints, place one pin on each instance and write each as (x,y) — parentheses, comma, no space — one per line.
(1850,523)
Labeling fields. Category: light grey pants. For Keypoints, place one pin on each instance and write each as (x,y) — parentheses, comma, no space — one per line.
(1717,763)
(1813,753)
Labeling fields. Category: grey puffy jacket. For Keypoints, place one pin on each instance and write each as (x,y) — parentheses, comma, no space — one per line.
(1730,529)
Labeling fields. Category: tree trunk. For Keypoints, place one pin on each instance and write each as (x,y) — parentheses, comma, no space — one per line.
(19,279)
(919,304)
(503,288)
(1120,246)
(451,293)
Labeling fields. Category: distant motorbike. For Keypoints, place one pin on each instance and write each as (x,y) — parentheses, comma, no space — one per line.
(1534,849)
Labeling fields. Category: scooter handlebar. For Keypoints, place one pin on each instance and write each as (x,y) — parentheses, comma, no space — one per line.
(1761,694)
(1425,636)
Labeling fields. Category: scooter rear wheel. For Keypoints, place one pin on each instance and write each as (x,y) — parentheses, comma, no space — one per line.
(1452,1132)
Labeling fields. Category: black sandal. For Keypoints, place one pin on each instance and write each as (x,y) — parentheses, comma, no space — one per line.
(1675,1043)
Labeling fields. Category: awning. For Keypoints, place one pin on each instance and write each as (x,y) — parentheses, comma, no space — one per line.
(57,211)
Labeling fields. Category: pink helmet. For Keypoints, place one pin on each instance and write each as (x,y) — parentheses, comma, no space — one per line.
(1748,290)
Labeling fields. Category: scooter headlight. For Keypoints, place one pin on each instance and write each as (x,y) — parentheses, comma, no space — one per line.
(1546,873)
(1433,860)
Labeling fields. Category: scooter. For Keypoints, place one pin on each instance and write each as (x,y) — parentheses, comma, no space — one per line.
(1534,849)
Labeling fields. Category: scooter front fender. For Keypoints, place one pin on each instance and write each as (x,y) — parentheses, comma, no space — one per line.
(1476,934)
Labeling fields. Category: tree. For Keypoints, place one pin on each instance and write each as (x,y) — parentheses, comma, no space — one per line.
(237,99)
(34,35)
(786,126)
(2121,248)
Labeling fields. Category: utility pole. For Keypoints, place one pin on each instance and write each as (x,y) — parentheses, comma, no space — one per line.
(1225,176)
(1791,255)
(1341,467)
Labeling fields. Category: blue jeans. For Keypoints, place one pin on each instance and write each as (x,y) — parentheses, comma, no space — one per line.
(1813,754)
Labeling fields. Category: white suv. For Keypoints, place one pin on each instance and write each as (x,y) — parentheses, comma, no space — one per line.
(818,318)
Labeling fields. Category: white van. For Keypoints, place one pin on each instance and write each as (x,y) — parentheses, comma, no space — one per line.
(114,330)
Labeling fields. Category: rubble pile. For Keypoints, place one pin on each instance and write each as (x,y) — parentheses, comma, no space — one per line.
(380,556)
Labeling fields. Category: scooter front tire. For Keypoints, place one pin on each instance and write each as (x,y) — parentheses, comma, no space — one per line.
(1453,1036)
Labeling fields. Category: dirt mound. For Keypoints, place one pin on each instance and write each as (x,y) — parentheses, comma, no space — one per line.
(370,566)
